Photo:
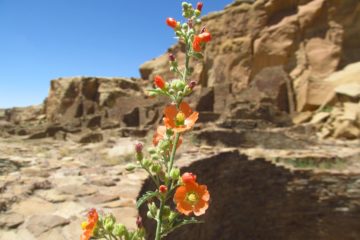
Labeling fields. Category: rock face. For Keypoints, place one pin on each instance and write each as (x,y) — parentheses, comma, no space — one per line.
(279,57)
(285,52)
(275,204)
(83,103)
(96,99)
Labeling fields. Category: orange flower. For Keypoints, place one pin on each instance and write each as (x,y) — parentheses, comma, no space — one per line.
(159,135)
(192,197)
(203,37)
(89,226)
(197,44)
(180,120)
(171,22)
(188,177)
(159,81)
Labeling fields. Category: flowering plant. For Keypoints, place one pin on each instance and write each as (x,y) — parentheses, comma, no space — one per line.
(188,195)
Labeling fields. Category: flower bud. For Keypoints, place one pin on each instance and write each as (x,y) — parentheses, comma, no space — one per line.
(199,6)
(151,150)
(164,144)
(166,211)
(197,13)
(171,57)
(171,91)
(119,230)
(184,26)
(109,222)
(149,215)
(153,209)
(172,216)
(138,147)
(156,168)
(177,84)
(146,163)
(171,22)
(130,167)
(163,189)
(192,84)
(159,82)
(187,90)
(188,177)
(175,173)
(185,5)
(139,222)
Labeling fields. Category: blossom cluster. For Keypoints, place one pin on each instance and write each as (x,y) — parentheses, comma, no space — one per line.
(191,199)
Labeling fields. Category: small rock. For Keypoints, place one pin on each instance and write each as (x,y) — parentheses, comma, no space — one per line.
(107,182)
(11,220)
(78,190)
(92,137)
(120,203)
(101,198)
(54,196)
(319,117)
(346,129)
(39,224)
(302,117)
(350,89)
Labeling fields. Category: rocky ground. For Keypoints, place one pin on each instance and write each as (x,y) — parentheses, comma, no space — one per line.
(48,185)
(279,101)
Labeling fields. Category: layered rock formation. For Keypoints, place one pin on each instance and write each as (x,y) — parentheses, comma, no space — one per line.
(268,57)
(283,52)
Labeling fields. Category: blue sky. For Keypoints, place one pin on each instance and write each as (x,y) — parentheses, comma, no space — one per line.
(45,39)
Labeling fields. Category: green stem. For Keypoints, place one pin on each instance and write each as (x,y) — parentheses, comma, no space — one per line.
(173,152)
(159,220)
(163,200)
(187,59)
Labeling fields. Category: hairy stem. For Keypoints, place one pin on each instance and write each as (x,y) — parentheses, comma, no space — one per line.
(173,152)
(159,220)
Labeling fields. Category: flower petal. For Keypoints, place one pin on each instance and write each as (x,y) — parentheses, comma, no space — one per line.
(180,194)
(159,134)
(184,207)
(200,208)
(185,108)
(190,121)
(170,111)
(169,123)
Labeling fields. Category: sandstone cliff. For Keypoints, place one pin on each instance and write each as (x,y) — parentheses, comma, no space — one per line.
(268,60)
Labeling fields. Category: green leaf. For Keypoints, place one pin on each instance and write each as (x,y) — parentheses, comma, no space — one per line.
(197,55)
(158,91)
(180,224)
(145,197)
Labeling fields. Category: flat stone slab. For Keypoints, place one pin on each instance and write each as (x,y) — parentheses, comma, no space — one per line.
(11,220)
(39,224)
(120,203)
(78,190)
(101,198)
(54,196)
